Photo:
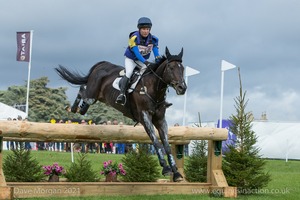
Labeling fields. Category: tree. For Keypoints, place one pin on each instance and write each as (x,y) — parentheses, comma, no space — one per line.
(46,103)
(15,95)
(195,169)
(81,170)
(243,166)
(101,112)
(140,166)
(20,166)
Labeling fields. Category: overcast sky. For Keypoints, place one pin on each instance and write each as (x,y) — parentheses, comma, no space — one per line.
(262,37)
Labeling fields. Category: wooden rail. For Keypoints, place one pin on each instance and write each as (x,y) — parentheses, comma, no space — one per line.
(106,133)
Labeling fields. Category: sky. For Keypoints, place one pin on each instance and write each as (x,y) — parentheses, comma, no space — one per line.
(261,37)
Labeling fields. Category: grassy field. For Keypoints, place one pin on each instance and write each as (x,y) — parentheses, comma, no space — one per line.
(285,182)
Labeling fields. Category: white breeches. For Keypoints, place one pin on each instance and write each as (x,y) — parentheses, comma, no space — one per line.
(131,64)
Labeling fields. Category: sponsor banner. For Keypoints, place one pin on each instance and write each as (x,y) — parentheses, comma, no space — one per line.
(231,140)
(23,46)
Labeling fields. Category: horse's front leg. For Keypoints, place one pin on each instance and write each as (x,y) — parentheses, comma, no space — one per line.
(149,128)
(162,127)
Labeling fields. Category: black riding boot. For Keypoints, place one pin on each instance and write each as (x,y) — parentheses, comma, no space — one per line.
(121,99)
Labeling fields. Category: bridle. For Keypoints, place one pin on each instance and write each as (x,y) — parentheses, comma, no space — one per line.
(160,77)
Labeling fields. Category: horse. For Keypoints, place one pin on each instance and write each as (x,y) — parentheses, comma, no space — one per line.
(146,104)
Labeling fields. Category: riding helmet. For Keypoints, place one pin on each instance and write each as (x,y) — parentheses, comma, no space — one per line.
(144,22)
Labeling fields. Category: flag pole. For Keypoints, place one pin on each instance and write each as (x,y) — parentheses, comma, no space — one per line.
(188,72)
(28,78)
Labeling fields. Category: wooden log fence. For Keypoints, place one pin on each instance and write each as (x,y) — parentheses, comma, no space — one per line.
(178,136)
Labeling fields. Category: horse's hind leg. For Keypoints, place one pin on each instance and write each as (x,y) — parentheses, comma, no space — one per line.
(85,105)
(74,107)
(89,95)
(86,102)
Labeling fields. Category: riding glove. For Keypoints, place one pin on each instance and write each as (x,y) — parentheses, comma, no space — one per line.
(147,63)
(158,59)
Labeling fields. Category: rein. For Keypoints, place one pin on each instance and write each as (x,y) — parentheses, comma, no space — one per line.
(157,103)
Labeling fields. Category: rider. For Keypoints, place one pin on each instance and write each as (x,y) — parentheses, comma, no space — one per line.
(141,43)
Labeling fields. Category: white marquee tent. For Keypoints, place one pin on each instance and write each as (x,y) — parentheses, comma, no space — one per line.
(8,111)
(278,139)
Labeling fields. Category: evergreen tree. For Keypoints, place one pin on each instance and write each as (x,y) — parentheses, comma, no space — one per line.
(243,166)
(81,170)
(195,169)
(100,112)
(46,103)
(14,95)
(140,166)
(19,166)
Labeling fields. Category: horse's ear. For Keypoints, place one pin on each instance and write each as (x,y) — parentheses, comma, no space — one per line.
(167,52)
(181,53)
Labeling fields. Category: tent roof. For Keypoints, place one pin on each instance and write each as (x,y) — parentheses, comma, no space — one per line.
(278,139)
(10,112)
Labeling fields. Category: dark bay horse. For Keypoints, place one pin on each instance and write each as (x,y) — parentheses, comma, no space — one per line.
(146,104)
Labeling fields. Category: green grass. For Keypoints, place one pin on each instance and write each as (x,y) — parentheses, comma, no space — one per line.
(285,183)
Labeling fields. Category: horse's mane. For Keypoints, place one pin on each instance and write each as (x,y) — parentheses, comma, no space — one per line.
(163,58)
(155,65)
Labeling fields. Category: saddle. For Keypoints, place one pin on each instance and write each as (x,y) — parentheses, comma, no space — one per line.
(136,76)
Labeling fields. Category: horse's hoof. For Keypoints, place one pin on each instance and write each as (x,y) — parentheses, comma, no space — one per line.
(74,109)
(166,171)
(82,111)
(167,104)
(177,177)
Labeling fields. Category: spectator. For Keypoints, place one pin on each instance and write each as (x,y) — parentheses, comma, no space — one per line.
(50,146)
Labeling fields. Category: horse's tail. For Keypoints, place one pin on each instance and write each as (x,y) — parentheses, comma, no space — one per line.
(72,77)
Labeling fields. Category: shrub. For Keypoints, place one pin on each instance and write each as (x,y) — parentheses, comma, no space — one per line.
(140,166)
(195,169)
(81,170)
(19,166)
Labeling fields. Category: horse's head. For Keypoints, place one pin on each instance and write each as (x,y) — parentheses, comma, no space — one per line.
(173,73)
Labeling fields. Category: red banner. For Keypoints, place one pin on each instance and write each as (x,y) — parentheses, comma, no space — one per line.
(23,46)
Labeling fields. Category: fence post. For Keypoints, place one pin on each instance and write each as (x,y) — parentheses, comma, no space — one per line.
(178,154)
(5,192)
(215,174)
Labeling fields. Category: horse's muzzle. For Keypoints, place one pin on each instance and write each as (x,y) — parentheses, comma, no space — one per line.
(180,87)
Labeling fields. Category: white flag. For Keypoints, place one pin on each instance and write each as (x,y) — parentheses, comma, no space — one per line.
(226,65)
(190,71)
